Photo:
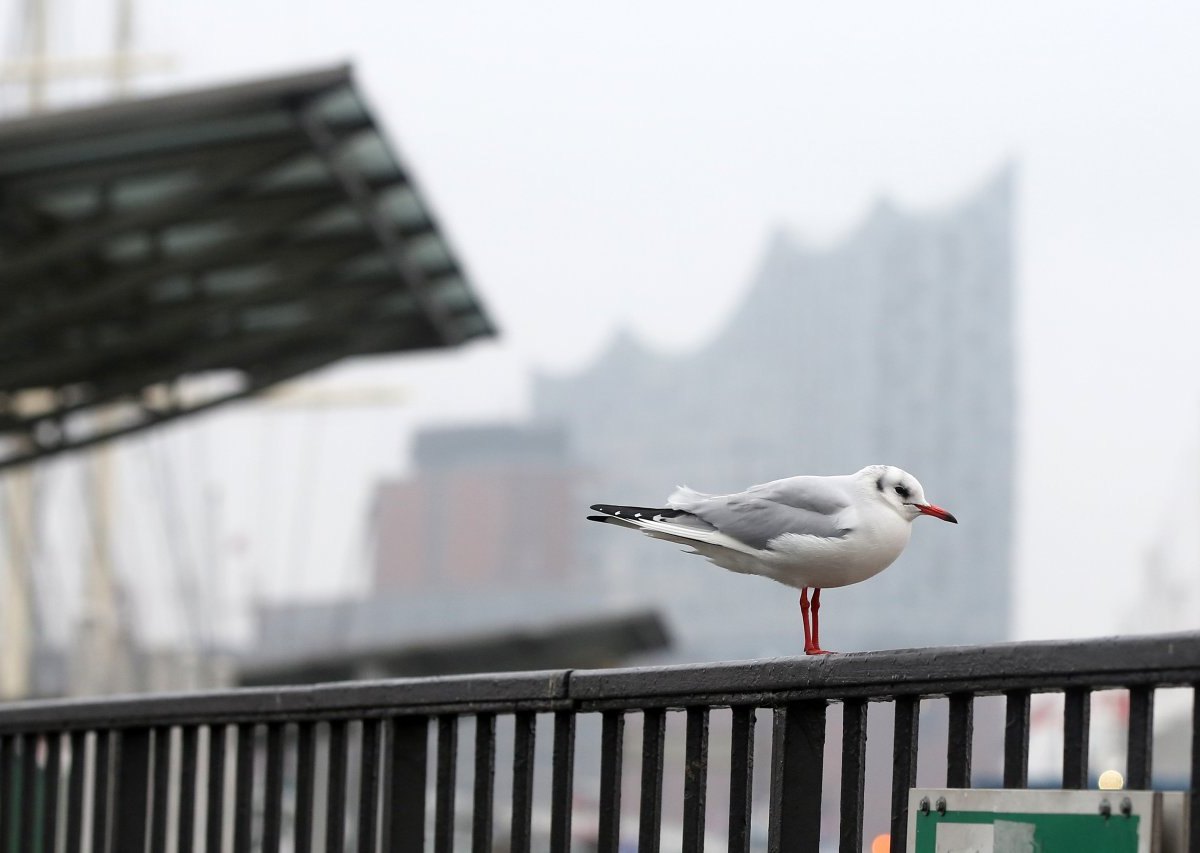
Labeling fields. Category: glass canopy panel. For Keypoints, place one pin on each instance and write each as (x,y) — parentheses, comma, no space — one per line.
(306,171)
(144,190)
(453,292)
(429,251)
(344,219)
(403,206)
(72,202)
(236,280)
(368,154)
(341,106)
(283,316)
(195,237)
(131,247)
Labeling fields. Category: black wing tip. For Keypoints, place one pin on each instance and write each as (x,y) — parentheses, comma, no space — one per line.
(615,510)
(620,511)
(597,518)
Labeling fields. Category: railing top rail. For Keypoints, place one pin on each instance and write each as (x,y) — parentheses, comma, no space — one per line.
(448,694)
(1161,660)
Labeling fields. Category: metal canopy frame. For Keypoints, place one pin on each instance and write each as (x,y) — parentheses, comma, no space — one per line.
(250,233)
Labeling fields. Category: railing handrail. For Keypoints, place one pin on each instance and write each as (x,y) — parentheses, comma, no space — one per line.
(1156,660)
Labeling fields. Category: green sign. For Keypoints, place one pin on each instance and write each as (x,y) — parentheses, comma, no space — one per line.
(1023,832)
(975,820)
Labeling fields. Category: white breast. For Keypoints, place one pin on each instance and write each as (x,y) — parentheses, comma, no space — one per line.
(812,561)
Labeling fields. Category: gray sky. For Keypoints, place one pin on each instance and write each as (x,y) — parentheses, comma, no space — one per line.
(622,164)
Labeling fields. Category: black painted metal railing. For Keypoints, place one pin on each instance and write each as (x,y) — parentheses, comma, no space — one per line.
(375,766)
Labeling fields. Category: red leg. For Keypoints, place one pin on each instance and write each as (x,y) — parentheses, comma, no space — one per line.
(816,626)
(808,643)
(816,618)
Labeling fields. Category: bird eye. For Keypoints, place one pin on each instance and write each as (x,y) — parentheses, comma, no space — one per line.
(902,491)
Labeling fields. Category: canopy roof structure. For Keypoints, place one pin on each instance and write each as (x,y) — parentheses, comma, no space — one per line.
(246,234)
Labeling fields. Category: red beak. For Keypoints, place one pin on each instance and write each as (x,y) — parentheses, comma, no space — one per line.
(936,512)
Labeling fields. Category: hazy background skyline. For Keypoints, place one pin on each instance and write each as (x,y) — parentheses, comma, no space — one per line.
(623,166)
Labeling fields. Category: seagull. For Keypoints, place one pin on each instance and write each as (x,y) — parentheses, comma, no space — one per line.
(805,532)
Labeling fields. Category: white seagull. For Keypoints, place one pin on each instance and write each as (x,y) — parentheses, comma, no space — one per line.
(804,532)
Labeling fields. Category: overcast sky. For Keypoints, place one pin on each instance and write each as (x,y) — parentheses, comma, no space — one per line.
(601,165)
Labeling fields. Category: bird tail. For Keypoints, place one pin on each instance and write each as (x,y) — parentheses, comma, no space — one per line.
(676,525)
(671,525)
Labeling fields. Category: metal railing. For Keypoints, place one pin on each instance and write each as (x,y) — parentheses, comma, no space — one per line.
(377,766)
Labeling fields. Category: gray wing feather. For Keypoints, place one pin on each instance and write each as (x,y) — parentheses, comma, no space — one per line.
(807,506)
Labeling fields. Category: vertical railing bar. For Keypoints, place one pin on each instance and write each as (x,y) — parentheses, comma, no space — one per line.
(798,755)
(306,778)
(485,782)
(29,799)
(1077,726)
(524,741)
(854,770)
(368,787)
(447,766)
(7,766)
(612,734)
(75,787)
(1194,781)
(904,765)
(562,781)
(654,721)
(1016,739)
(50,803)
(273,792)
(189,749)
(960,739)
(405,795)
(214,824)
(775,803)
(101,785)
(335,811)
(132,790)
(1140,750)
(741,777)
(243,788)
(161,789)
(695,778)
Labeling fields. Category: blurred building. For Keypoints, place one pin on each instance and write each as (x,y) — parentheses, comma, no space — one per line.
(474,559)
(894,346)
(486,505)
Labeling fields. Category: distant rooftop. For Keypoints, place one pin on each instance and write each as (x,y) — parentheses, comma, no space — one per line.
(250,233)
(467,446)
(485,629)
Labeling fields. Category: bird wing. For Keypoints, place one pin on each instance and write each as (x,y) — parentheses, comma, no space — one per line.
(804,506)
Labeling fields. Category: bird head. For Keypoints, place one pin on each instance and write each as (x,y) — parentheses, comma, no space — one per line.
(902,491)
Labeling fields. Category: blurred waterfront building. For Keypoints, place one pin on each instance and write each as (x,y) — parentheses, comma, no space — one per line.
(486,505)
(474,571)
(894,346)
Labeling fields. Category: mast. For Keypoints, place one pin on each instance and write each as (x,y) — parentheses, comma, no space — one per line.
(101,657)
